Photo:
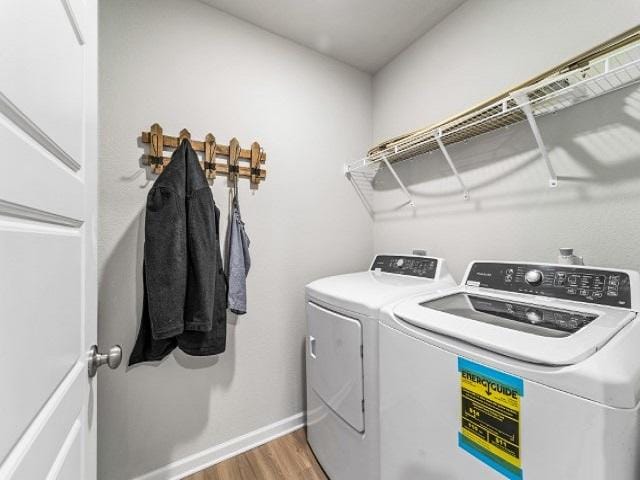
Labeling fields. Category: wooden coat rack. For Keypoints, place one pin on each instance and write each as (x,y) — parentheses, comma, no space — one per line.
(211,149)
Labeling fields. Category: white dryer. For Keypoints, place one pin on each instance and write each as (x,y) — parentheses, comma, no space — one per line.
(342,358)
(523,371)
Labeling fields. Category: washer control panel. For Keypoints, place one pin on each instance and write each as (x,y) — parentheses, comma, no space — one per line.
(415,266)
(591,285)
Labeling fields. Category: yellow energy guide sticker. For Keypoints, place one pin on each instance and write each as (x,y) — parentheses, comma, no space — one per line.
(490,417)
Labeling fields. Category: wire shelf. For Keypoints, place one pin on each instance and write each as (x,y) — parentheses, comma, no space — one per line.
(371,177)
(601,76)
(608,73)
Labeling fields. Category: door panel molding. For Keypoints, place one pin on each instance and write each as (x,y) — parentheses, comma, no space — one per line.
(38,180)
(73,19)
(9,209)
(43,278)
(61,463)
(22,121)
(46,431)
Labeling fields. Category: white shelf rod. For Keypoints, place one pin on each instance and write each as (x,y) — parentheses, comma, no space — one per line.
(410,201)
(523,102)
(445,152)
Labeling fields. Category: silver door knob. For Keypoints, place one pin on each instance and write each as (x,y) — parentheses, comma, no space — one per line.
(97,359)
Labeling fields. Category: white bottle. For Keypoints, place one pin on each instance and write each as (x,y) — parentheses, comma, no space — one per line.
(567,257)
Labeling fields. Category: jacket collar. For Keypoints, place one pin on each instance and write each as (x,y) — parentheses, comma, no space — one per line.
(183,174)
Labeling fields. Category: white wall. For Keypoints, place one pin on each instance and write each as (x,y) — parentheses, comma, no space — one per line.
(481,49)
(184,64)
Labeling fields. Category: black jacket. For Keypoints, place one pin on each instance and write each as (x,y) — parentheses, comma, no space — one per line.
(184,284)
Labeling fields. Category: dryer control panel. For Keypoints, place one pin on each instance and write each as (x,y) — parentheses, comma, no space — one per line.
(584,284)
(415,266)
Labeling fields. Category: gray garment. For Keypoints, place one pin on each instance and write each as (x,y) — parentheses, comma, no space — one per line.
(239,262)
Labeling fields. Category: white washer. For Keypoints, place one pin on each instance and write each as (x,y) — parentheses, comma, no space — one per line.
(523,371)
(342,358)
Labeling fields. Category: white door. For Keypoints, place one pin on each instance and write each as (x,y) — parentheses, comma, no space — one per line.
(48,148)
(334,358)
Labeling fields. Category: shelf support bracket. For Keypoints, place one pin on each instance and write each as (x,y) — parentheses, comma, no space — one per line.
(523,102)
(445,152)
(363,198)
(410,201)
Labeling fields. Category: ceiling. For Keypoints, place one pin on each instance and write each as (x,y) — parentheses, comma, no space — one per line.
(364,33)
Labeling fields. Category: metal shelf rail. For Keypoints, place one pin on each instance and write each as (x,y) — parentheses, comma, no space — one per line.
(615,70)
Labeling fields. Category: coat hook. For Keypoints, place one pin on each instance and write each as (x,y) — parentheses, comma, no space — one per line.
(256,157)
(157,148)
(234,154)
(184,133)
(210,156)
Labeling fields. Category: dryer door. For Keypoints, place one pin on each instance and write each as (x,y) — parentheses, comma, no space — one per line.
(335,362)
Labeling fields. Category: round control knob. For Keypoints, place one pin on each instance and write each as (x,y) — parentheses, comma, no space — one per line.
(534,277)
(400,262)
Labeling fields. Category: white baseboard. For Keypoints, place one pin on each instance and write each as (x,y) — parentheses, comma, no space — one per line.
(199,461)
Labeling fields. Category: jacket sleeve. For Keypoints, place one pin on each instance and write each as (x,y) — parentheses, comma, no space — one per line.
(202,245)
(165,253)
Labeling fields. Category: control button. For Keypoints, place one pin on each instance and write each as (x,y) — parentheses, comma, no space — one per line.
(571,291)
(612,293)
(597,294)
(508,279)
(534,277)
(572,323)
(400,262)
(573,280)
(585,281)
(614,280)
(533,316)
(583,292)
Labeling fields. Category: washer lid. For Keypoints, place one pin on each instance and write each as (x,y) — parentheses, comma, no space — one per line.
(367,292)
(513,325)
